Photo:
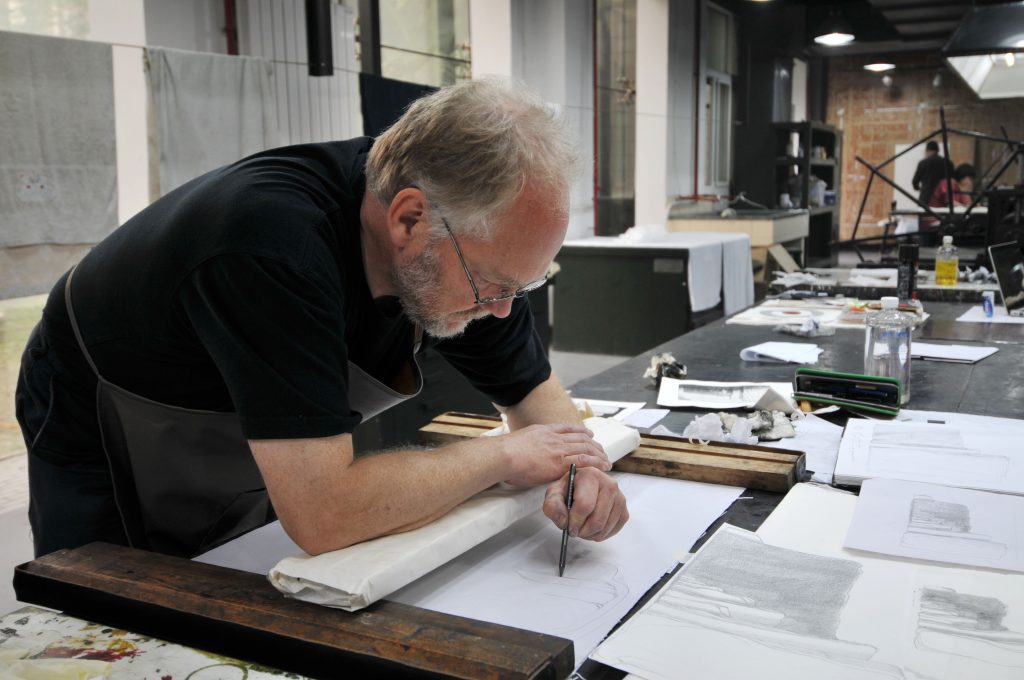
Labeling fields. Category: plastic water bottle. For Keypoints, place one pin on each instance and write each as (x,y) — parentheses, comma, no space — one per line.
(946,263)
(988,301)
(887,345)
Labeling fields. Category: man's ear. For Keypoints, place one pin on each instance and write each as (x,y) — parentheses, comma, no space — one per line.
(407,218)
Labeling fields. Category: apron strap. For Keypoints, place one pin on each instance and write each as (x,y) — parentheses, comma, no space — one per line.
(74,322)
(417,339)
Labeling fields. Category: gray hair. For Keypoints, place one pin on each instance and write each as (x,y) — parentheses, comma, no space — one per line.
(471,148)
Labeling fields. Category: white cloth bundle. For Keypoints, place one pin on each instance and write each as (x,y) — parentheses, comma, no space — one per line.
(357,576)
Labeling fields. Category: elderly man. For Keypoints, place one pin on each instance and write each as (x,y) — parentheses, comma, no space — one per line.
(203,368)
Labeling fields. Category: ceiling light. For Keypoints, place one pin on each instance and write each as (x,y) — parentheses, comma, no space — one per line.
(834,31)
(879,67)
(981,50)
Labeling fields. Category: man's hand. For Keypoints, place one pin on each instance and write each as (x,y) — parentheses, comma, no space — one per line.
(540,453)
(598,507)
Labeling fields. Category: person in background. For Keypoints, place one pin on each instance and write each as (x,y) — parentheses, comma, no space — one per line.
(959,188)
(202,370)
(930,171)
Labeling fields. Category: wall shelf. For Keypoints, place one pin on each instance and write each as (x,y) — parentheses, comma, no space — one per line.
(810,149)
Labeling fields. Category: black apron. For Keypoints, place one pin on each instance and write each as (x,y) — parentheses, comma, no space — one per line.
(185,480)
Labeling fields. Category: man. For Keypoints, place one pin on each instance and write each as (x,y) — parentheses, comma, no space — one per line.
(233,334)
(930,171)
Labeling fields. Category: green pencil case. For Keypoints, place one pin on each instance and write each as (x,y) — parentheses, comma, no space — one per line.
(870,394)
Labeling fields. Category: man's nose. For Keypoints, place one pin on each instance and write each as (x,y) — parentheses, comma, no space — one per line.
(501,308)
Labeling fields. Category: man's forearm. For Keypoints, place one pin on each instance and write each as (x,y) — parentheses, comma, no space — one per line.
(546,403)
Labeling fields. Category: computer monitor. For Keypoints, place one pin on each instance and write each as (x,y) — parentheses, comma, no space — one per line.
(1008,262)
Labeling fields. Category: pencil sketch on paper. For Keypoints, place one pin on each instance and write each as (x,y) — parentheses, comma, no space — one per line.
(779,598)
(576,600)
(965,625)
(943,528)
(930,451)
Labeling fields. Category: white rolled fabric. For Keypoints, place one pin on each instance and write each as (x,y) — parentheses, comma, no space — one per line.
(357,576)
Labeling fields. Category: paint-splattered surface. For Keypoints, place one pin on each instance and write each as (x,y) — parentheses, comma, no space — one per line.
(34,641)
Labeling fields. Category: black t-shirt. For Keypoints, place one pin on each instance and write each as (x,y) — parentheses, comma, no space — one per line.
(244,290)
(930,172)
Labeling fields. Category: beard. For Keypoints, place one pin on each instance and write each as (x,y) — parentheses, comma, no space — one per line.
(420,294)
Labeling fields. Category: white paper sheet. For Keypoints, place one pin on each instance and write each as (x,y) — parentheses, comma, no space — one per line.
(999,315)
(961,419)
(966,354)
(783,352)
(965,455)
(603,408)
(513,579)
(939,523)
(646,418)
(773,396)
(897,604)
(791,602)
(819,439)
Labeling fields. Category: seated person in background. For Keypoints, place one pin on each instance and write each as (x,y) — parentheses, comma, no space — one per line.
(930,171)
(960,188)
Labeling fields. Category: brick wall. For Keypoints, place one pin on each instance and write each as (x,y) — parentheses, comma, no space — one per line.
(875,118)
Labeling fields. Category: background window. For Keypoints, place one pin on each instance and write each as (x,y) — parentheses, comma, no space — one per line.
(425,41)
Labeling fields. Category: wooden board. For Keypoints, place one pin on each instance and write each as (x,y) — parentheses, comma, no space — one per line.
(240,614)
(752,467)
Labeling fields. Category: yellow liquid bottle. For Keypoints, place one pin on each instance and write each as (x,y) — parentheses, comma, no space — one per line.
(946,263)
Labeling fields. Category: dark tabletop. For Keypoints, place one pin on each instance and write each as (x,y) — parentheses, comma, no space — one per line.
(994,386)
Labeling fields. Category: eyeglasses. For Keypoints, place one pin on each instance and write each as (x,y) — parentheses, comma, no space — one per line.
(518,293)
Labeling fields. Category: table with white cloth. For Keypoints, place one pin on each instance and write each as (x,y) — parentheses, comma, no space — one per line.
(618,295)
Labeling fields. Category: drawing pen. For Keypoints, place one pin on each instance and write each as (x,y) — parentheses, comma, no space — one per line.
(565,531)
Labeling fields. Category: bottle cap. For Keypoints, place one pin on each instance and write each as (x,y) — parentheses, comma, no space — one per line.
(947,240)
(890,302)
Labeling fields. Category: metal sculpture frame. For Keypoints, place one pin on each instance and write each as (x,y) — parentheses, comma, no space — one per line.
(950,220)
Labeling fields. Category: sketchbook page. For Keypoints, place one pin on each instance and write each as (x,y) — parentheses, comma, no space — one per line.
(819,439)
(512,579)
(968,354)
(939,523)
(952,453)
(726,395)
